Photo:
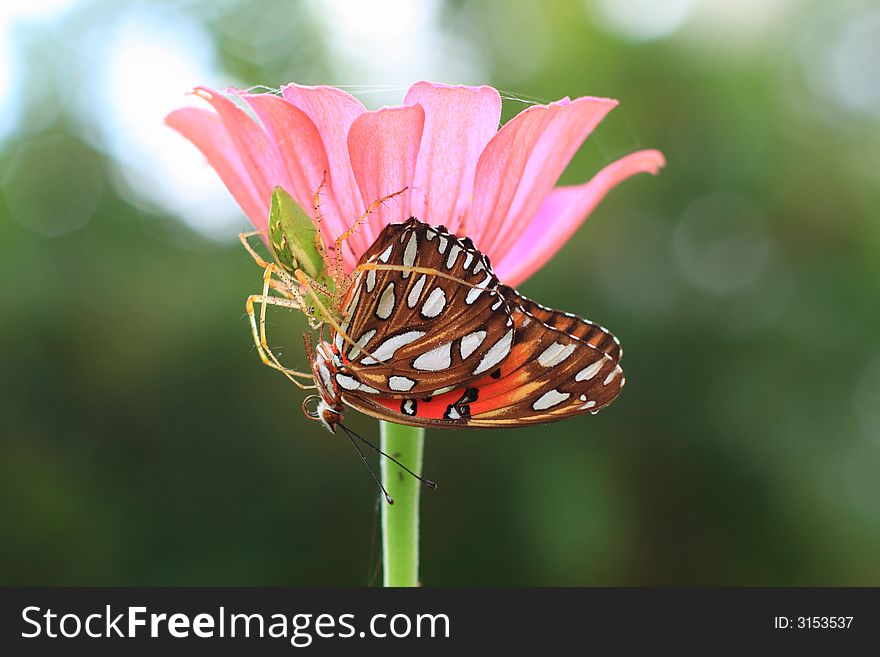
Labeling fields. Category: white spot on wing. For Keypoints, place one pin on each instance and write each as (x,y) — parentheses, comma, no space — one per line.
(415,293)
(468,258)
(409,254)
(590,371)
(589,404)
(477,291)
(444,242)
(435,303)
(347,382)
(400,383)
(555,354)
(349,309)
(471,342)
(453,256)
(436,360)
(386,302)
(550,399)
(386,254)
(611,375)
(496,353)
(371,280)
(386,350)
(325,375)
(361,343)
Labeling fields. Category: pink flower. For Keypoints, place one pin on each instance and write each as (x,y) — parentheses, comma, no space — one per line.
(495,186)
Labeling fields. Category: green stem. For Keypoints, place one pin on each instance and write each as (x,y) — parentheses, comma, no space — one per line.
(400,522)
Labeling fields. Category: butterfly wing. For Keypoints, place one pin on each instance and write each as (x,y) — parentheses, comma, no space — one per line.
(443,319)
(559,366)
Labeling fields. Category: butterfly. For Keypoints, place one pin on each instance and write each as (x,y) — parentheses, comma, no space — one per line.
(427,336)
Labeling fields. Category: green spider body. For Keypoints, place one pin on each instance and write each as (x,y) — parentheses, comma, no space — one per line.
(298,246)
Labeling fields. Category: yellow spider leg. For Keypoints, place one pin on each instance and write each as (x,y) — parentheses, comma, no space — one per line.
(244,239)
(316,205)
(307,284)
(419,270)
(286,284)
(295,300)
(339,272)
(266,354)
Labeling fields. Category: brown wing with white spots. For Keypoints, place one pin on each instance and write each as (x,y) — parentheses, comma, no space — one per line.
(559,366)
(438,322)
(582,329)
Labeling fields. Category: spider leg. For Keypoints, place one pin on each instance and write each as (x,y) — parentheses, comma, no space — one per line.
(259,333)
(316,205)
(244,238)
(339,272)
(418,270)
(308,285)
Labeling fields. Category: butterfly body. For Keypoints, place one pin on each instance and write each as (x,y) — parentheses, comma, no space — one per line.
(430,337)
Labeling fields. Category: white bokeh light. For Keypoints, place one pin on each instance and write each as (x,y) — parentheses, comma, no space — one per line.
(7,72)
(14,15)
(140,67)
(854,65)
(839,57)
(387,44)
(740,27)
(642,20)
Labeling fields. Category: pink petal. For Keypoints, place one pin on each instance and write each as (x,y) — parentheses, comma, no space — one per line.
(206,130)
(255,151)
(459,122)
(333,111)
(383,146)
(521,164)
(301,153)
(563,211)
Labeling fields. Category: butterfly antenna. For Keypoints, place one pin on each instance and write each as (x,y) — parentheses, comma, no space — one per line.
(430,484)
(388,498)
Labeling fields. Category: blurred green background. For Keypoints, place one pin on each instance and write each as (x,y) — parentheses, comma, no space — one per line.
(142,442)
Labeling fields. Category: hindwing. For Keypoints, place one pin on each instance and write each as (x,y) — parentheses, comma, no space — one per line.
(559,366)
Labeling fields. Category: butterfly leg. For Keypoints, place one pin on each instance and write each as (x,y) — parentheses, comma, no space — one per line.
(259,334)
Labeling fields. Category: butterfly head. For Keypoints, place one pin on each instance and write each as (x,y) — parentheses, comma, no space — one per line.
(315,408)
(325,407)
